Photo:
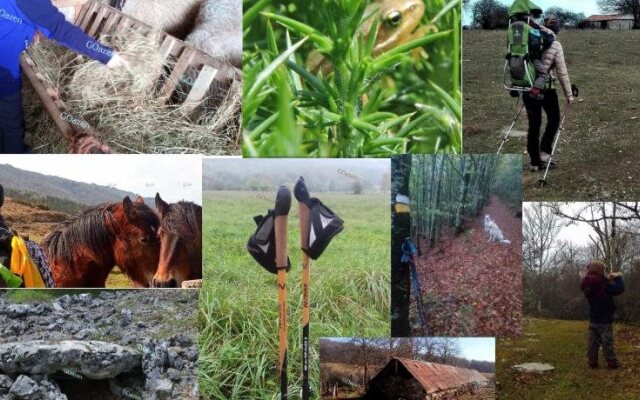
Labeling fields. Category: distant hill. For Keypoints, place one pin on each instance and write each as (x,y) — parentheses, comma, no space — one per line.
(31,221)
(17,181)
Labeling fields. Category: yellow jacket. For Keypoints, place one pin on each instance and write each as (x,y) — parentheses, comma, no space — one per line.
(22,265)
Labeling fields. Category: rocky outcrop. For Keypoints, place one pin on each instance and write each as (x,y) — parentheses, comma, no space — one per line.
(91,359)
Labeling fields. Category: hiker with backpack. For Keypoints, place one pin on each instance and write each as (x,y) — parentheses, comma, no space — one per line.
(553,61)
(21,21)
(599,289)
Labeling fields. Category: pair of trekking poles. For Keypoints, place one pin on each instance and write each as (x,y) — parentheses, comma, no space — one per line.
(268,246)
(505,138)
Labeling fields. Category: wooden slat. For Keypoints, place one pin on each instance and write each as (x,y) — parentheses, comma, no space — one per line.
(167,46)
(185,60)
(65,128)
(112,21)
(81,14)
(200,87)
(102,14)
(91,11)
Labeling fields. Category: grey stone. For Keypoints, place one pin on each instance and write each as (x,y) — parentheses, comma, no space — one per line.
(161,388)
(93,359)
(25,388)
(533,367)
(5,384)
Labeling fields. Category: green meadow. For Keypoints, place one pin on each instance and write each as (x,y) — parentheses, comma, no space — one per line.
(350,292)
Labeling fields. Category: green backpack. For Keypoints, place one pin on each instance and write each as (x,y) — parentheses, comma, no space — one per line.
(525,43)
(10,280)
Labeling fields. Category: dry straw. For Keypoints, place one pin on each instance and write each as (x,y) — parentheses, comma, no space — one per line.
(124,107)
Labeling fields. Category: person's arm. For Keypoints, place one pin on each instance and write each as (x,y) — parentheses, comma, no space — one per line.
(562,73)
(52,23)
(616,286)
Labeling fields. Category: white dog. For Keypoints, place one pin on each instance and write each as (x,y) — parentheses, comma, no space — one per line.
(487,222)
(495,234)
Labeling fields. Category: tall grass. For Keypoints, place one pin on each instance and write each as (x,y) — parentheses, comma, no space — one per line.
(395,102)
(350,293)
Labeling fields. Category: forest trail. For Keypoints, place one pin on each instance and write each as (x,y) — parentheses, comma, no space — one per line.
(472,287)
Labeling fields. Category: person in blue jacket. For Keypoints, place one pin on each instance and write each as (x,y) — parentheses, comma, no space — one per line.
(20,20)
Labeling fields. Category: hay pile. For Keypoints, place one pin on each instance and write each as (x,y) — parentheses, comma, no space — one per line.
(124,106)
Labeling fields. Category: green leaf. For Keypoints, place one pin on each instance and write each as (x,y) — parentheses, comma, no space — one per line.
(324,43)
(382,61)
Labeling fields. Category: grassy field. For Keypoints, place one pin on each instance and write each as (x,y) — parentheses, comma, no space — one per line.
(598,150)
(117,280)
(350,292)
(563,345)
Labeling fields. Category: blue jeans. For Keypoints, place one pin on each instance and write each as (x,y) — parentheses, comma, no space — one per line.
(11,124)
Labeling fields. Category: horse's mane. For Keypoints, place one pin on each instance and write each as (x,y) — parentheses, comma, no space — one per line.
(92,230)
(183,219)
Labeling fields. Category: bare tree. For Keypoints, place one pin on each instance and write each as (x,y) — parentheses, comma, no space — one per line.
(608,222)
(540,229)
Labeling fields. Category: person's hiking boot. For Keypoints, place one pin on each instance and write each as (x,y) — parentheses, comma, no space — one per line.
(534,168)
(593,364)
(536,94)
(615,364)
(546,157)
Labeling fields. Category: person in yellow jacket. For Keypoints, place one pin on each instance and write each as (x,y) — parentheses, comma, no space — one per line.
(23,266)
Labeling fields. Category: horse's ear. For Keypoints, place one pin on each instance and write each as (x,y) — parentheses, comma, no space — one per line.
(1,195)
(161,205)
(128,207)
(139,200)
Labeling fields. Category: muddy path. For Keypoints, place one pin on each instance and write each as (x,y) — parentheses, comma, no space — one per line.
(472,287)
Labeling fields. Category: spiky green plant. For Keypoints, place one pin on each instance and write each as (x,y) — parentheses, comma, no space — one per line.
(366,105)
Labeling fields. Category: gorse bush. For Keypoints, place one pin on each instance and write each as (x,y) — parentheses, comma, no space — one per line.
(360,103)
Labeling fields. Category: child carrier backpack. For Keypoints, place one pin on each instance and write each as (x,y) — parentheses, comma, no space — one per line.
(525,44)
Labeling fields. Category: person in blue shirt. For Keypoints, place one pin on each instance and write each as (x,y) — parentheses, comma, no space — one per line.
(20,20)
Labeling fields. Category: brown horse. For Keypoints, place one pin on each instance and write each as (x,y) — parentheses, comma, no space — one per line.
(180,236)
(89,246)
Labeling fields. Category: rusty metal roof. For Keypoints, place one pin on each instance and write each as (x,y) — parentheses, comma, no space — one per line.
(436,377)
(610,17)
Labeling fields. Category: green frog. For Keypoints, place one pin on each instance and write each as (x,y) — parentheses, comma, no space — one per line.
(399,23)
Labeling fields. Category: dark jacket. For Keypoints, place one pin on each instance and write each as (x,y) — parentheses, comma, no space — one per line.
(599,292)
(19,21)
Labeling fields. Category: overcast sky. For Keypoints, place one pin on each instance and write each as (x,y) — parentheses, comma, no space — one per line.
(578,232)
(588,7)
(175,177)
(481,349)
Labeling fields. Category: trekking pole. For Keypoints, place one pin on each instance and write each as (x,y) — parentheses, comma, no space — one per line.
(543,181)
(318,225)
(283,205)
(268,246)
(576,93)
(304,201)
(506,135)
(408,251)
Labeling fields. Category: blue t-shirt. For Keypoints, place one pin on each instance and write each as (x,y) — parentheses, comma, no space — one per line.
(19,21)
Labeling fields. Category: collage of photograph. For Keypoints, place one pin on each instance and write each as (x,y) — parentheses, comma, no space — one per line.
(319,199)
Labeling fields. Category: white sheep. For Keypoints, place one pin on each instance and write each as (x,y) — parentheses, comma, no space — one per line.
(218,30)
(176,17)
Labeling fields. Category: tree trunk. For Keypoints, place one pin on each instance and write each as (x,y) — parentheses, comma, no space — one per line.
(400,229)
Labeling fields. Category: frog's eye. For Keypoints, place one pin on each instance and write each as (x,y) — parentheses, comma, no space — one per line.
(393,18)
